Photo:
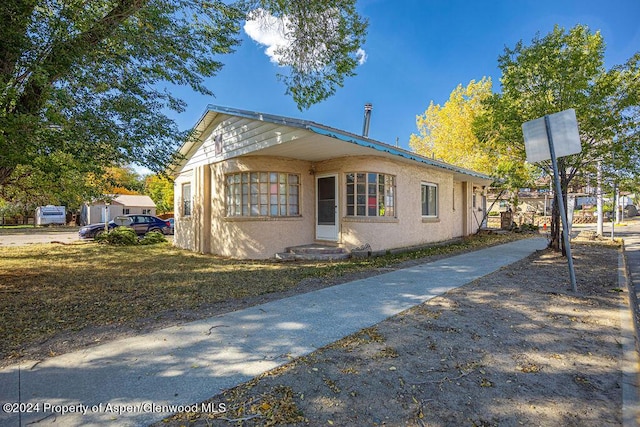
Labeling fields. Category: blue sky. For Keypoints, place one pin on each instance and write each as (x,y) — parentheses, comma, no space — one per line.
(417,51)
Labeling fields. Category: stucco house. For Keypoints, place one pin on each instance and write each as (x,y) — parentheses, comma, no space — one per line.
(252,184)
(119,204)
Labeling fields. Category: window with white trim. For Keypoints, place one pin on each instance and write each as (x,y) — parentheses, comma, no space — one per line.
(371,194)
(429,200)
(186,199)
(263,194)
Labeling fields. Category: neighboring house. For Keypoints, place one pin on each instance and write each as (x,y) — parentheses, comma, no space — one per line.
(119,204)
(253,184)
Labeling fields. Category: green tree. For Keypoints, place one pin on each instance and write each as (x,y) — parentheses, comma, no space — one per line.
(86,78)
(56,181)
(160,189)
(449,133)
(122,180)
(564,69)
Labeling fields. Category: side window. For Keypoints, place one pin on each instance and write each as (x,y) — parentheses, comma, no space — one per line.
(186,199)
(429,200)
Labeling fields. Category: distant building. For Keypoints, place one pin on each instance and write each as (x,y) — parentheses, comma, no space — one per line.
(119,204)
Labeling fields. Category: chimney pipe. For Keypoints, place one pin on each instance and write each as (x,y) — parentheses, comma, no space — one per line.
(367,118)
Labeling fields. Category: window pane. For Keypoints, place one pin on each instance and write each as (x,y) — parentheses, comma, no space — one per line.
(429,200)
(350,178)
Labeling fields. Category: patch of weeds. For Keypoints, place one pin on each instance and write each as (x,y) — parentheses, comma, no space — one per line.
(271,408)
(425,311)
(529,368)
(386,353)
(332,385)
(468,367)
(153,238)
(364,336)
(581,380)
(486,383)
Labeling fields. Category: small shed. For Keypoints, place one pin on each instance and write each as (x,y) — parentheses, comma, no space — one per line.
(119,204)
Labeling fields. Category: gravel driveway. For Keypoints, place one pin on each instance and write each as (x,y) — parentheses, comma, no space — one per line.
(19,237)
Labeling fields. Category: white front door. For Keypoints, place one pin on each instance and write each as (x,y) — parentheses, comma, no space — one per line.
(327,208)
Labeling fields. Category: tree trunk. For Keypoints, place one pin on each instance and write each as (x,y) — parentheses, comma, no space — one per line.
(5,174)
(557,243)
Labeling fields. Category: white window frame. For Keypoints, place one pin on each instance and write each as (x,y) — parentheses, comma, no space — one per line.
(371,195)
(262,194)
(424,198)
(187,205)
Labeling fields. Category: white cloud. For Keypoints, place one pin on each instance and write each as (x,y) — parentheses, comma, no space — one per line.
(361,56)
(268,31)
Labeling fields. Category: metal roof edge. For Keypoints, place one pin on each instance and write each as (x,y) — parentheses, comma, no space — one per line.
(338,134)
(400,152)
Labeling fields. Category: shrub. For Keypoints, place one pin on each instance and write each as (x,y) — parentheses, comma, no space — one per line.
(152,238)
(119,236)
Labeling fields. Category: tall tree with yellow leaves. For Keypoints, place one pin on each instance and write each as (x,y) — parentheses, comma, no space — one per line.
(446,132)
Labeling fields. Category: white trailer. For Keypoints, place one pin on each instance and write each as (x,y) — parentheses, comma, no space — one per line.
(50,214)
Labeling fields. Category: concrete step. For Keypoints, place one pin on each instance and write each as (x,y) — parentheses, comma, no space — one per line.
(313,252)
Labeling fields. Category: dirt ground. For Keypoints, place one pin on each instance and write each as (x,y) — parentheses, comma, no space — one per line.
(516,347)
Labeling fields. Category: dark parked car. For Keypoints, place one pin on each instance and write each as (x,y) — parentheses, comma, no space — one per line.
(141,224)
(171,225)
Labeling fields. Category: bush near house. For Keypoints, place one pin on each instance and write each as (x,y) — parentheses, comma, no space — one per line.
(123,236)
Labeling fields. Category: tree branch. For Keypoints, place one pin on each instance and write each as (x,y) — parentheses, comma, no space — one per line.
(64,55)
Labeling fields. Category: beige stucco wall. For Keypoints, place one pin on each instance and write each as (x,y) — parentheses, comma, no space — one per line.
(409,227)
(246,237)
(208,229)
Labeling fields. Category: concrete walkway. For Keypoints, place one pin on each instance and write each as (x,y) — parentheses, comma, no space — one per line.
(134,381)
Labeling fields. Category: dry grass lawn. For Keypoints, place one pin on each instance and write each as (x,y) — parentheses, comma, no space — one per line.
(56,293)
